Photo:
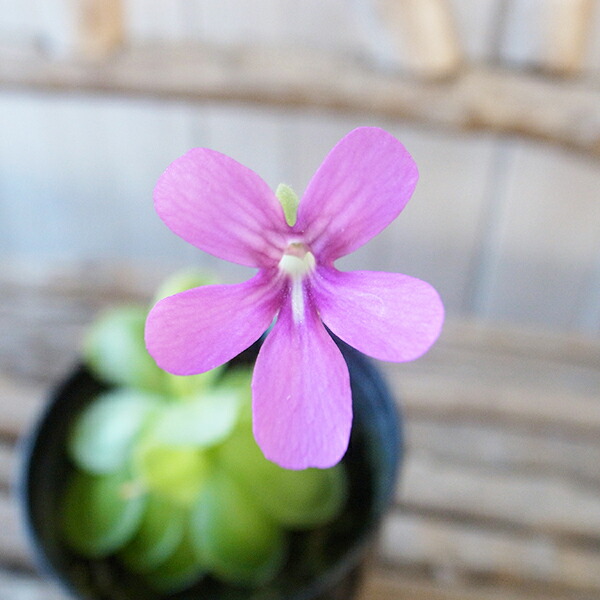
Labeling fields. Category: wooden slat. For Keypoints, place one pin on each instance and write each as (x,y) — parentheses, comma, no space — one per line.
(517,406)
(42,324)
(99,27)
(464,549)
(552,35)
(546,504)
(481,98)
(481,374)
(523,343)
(390,585)
(503,347)
(380,585)
(422,35)
(567,35)
(501,449)
(80,29)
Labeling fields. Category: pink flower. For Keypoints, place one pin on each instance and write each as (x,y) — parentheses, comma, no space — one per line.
(302,406)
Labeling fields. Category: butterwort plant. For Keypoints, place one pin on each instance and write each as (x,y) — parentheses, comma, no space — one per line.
(301,397)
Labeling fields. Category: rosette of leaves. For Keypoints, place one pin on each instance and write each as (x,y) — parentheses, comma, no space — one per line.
(167,476)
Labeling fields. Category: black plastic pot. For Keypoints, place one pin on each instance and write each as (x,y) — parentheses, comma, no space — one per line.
(324,564)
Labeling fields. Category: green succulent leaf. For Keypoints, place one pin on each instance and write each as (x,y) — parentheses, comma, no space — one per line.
(233,536)
(104,433)
(176,473)
(200,421)
(159,535)
(295,499)
(182,569)
(115,351)
(100,514)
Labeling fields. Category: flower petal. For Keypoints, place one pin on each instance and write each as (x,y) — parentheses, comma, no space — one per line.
(221,207)
(202,328)
(388,316)
(302,403)
(361,187)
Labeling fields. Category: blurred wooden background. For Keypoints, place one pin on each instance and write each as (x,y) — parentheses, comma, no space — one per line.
(498,101)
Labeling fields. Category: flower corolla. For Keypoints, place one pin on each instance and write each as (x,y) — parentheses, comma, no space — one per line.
(302,404)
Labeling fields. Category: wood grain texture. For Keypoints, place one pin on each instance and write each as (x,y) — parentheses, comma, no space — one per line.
(422,36)
(100,27)
(390,585)
(465,549)
(547,504)
(567,36)
(523,451)
(551,35)
(480,98)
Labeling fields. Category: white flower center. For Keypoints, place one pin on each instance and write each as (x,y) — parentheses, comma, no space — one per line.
(297,262)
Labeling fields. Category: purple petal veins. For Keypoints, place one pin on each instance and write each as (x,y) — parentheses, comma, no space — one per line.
(202,328)
(302,405)
(361,187)
(388,316)
(221,207)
